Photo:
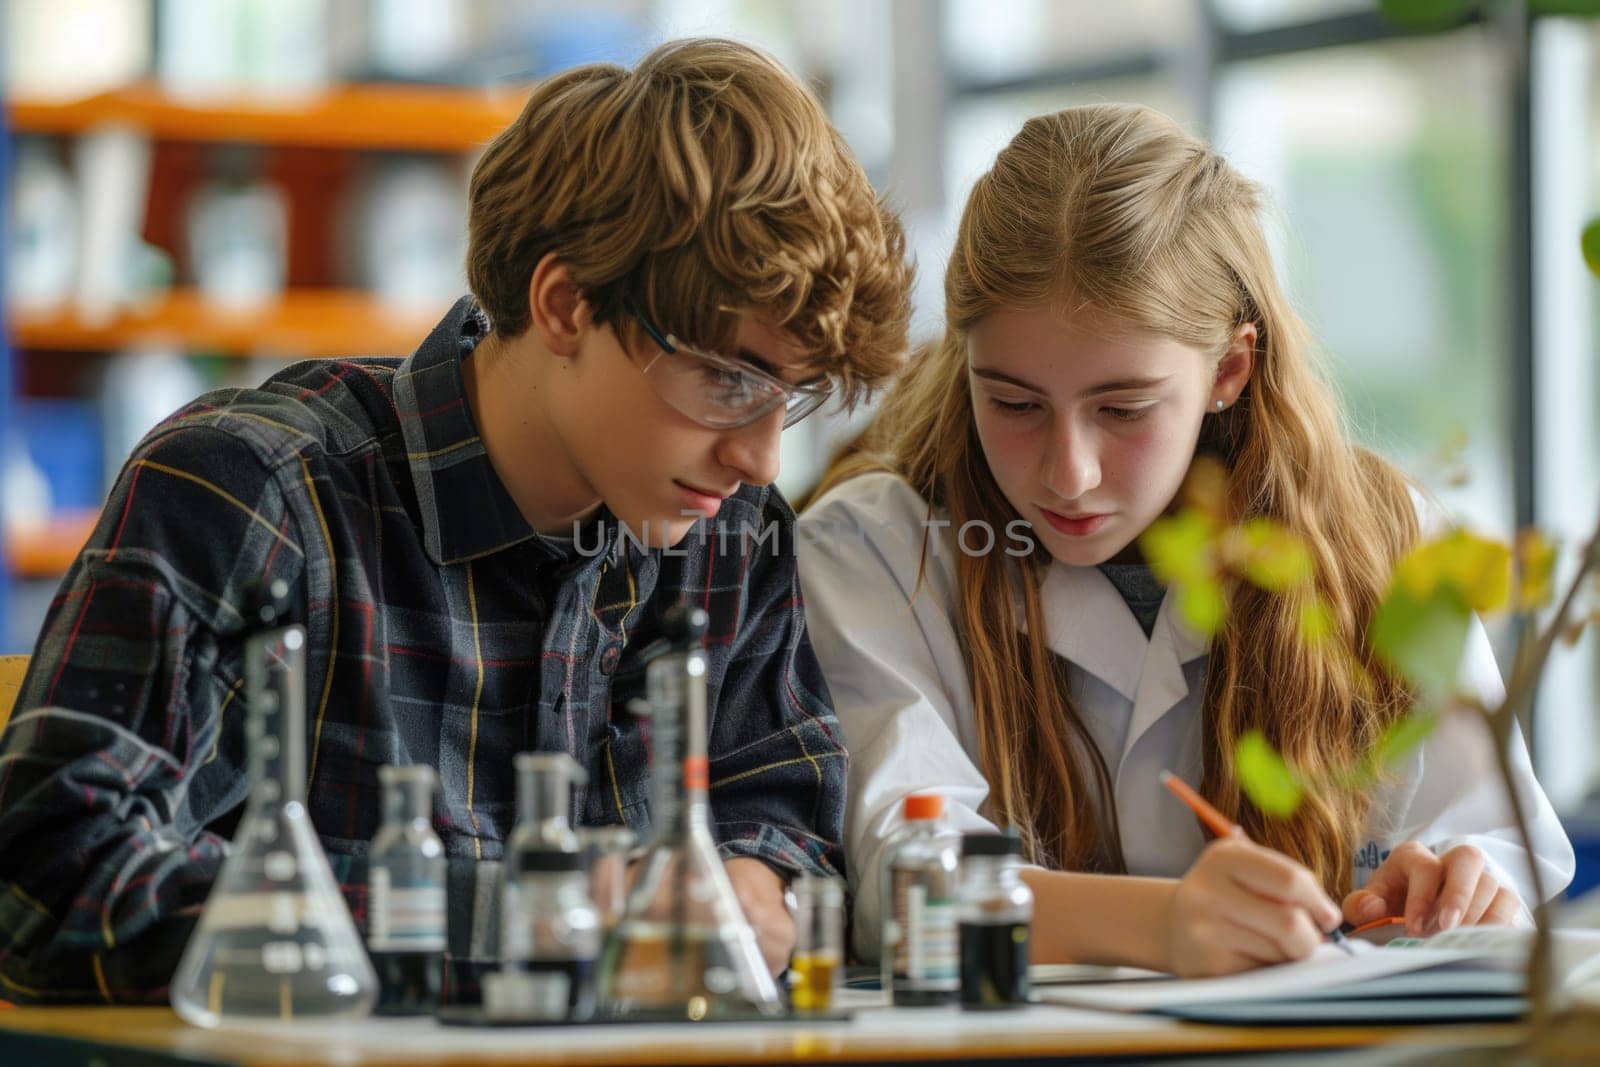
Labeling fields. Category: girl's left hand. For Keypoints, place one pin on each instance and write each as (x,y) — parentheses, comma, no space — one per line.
(1434,893)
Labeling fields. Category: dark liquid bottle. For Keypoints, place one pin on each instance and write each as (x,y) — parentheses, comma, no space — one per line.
(994,965)
(995,910)
(550,938)
(549,925)
(556,989)
(409,982)
(406,896)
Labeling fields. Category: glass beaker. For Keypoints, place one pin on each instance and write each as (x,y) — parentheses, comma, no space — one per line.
(683,948)
(275,940)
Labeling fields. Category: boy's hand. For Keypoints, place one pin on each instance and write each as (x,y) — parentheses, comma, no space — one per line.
(760,892)
(1242,906)
(1434,893)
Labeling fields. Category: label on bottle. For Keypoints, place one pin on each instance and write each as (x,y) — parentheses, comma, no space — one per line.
(404,918)
(927,955)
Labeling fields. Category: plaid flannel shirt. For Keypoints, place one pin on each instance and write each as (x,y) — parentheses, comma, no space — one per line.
(442,630)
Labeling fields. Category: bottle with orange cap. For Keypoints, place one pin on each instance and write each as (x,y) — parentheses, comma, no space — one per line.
(921,949)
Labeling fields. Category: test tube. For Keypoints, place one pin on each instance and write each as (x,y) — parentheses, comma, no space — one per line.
(819,942)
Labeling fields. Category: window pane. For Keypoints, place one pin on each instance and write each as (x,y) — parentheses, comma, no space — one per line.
(1264,14)
(1590,163)
(1387,162)
(1566,186)
(990,39)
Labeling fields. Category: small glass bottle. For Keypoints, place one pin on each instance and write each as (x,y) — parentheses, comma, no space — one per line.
(544,802)
(549,925)
(995,912)
(550,939)
(818,959)
(921,956)
(406,895)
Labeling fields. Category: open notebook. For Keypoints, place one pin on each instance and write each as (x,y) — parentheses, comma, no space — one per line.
(1470,973)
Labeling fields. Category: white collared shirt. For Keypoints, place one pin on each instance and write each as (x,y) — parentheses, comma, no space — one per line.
(899,684)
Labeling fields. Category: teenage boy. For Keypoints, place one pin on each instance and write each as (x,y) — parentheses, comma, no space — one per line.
(669,265)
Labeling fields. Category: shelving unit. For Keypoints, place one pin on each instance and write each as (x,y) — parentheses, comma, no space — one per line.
(47,551)
(304,323)
(391,117)
(307,321)
(7,378)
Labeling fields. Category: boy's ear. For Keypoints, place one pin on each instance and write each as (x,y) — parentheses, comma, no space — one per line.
(559,314)
(1236,365)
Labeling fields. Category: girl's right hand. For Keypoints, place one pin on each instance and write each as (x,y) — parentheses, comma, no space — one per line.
(1242,906)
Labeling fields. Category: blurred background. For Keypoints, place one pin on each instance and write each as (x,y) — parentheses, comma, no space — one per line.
(198,191)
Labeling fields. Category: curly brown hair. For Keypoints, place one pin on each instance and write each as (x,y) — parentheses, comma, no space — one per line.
(702,183)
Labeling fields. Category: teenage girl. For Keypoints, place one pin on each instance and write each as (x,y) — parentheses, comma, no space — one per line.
(988,630)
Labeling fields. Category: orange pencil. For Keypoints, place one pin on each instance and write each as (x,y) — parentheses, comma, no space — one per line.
(1222,826)
(1215,821)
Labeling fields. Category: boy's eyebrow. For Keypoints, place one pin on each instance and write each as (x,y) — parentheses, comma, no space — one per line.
(751,356)
(1118,386)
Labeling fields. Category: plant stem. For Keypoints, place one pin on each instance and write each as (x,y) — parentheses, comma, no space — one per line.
(1528,666)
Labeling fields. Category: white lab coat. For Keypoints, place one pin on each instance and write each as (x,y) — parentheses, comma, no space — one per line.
(896,675)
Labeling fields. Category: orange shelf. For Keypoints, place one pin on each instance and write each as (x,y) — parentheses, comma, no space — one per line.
(47,551)
(428,118)
(304,323)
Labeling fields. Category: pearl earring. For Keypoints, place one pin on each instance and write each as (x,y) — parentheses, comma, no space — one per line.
(1221,404)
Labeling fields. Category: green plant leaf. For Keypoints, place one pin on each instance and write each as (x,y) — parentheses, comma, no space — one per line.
(1402,736)
(1536,569)
(1180,549)
(1271,557)
(1203,605)
(1564,7)
(1591,246)
(1426,14)
(1477,569)
(1316,623)
(1265,778)
(1480,570)
(1422,638)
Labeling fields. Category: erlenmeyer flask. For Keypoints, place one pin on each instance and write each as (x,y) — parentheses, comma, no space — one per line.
(275,940)
(683,948)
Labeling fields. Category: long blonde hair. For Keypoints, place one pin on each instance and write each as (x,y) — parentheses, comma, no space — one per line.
(1120,209)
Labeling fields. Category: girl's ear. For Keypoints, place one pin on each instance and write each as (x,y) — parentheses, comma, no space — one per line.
(1233,369)
(558,311)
